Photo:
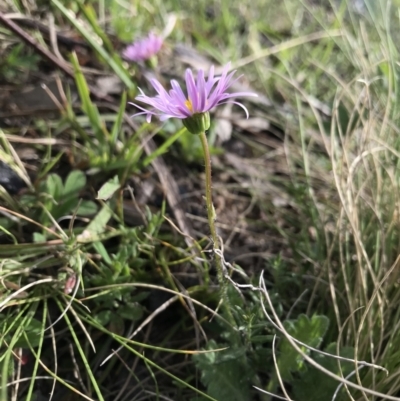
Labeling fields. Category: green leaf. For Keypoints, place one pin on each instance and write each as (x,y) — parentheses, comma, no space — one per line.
(87,208)
(314,385)
(54,186)
(131,311)
(75,181)
(309,331)
(38,237)
(101,249)
(226,374)
(116,324)
(65,206)
(32,332)
(98,224)
(103,317)
(261,339)
(109,188)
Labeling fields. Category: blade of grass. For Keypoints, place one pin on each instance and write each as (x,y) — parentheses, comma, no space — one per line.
(39,351)
(87,105)
(163,148)
(85,361)
(114,65)
(5,371)
(90,14)
(118,122)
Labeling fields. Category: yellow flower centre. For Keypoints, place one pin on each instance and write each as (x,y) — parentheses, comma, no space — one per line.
(188,104)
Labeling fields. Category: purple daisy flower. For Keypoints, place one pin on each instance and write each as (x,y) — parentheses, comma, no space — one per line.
(202,95)
(143,49)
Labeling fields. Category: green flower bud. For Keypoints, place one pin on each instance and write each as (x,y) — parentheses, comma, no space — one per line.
(197,123)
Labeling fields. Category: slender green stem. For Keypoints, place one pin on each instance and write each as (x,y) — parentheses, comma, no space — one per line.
(211,222)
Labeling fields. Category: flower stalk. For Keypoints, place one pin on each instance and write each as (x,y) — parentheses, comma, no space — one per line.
(211,222)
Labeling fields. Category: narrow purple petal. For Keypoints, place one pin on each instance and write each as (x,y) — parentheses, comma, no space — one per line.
(159,88)
(218,90)
(141,113)
(191,88)
(148,113)
(227,81)
(183,112)
(178,92)
(141,108)
(211,81)
(201,91)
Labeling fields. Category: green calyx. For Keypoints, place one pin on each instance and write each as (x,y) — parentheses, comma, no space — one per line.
(152,62)
(197,123)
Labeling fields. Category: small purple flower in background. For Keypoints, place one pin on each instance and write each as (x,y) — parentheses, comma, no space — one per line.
(143,49)
(202,95)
